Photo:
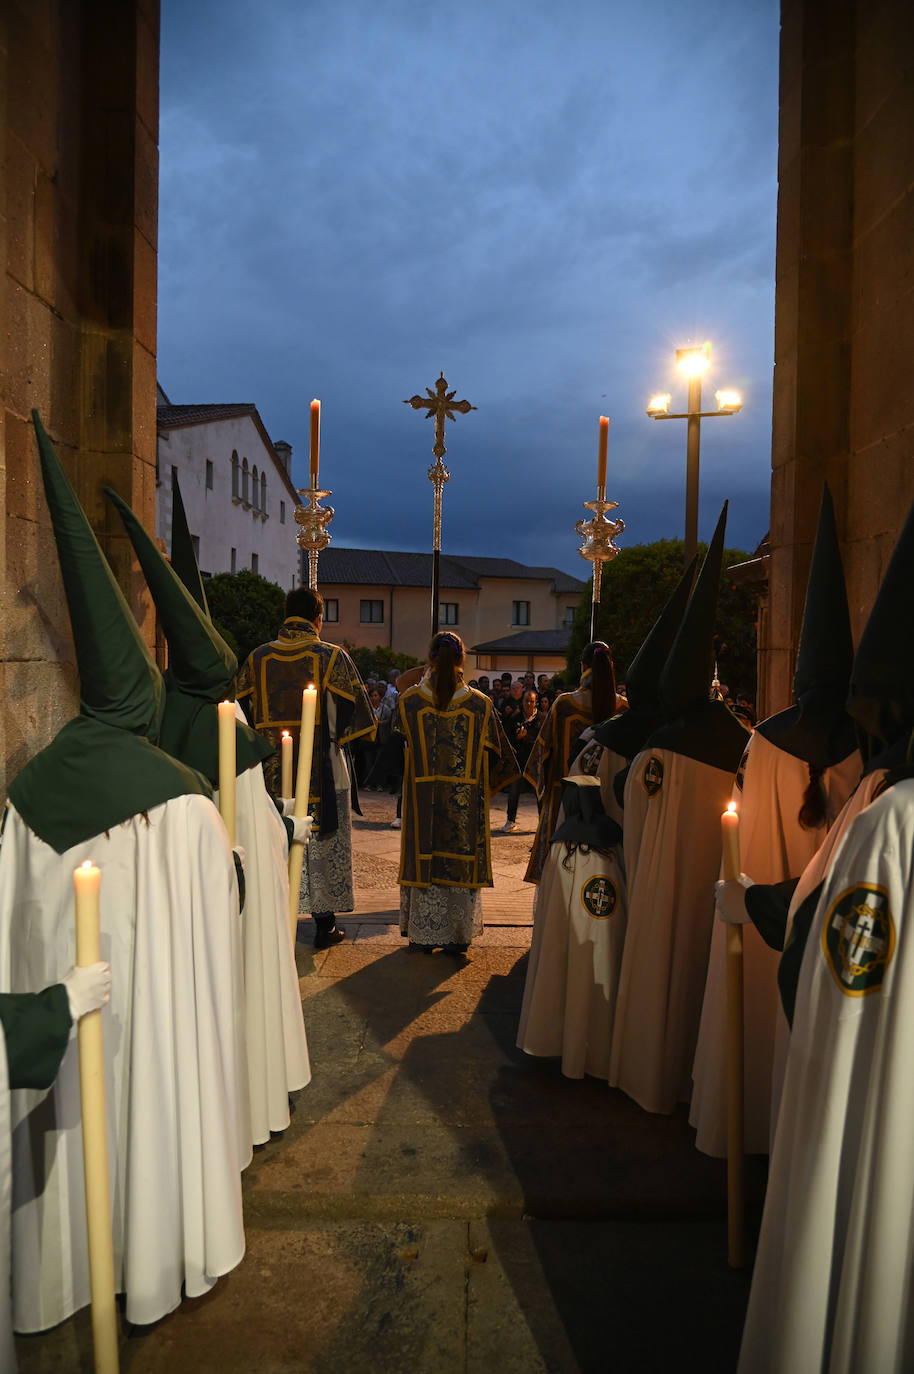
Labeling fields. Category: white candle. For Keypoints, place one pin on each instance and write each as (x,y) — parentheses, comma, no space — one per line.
(315,440)
(729,836)
(601,454)
(302,790)
(87,883)
(227,767)
(286,788)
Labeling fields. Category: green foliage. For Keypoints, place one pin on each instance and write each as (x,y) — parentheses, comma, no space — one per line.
(377,662)
(637,585)
(248,606)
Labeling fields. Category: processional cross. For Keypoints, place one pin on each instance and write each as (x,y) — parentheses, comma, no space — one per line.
(442,405)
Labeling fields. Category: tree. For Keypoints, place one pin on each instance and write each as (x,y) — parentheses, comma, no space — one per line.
(637,584)
(378,662)
(248,606)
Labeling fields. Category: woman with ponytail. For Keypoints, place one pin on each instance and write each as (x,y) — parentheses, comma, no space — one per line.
(557,743)
(456,755)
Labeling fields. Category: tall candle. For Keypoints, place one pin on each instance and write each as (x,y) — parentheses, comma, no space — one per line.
(315,439)
(87,882)
(302,790)
(729,835)
(286,788)
(226,711)
(601,455)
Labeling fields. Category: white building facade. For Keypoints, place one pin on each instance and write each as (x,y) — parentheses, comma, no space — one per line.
(236,487)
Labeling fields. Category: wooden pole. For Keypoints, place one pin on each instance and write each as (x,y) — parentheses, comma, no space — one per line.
(86,881)
(302,796)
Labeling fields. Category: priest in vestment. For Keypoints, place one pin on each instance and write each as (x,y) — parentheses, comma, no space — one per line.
(270,687)
(831,1288)
(175,1072)
(799,769)
(457,754)
(676,789)
(201,673)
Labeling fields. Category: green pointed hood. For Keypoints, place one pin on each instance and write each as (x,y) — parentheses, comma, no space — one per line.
(626,732)
(881,697)
(817,728)
(201,666)
(183,558)
(103,767)
(696,727)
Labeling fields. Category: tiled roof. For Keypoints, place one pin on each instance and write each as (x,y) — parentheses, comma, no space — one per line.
(526,642)
(172,417)
(396,569)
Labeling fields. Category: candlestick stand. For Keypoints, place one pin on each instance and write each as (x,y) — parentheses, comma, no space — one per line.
(599,547)
(313,534)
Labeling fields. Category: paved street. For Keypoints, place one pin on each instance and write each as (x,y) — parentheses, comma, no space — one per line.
(441,1202)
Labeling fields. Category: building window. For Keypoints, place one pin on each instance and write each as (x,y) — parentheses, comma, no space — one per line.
(195,540)
(235,492)
(447,613)
(255,487)
(234,560)
(331,609)
(255,563)
(568,618)
(520,612)
(209,474)
(245,478)
(371,612)
(263,492)
(282,512)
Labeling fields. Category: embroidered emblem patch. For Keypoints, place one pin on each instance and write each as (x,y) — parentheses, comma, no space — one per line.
(588,761)
(652,776)
(599,898)
(858,939)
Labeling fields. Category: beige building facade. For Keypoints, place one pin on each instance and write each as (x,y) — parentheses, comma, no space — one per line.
(519,616)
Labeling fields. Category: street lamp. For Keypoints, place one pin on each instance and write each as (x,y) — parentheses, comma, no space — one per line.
(693,363)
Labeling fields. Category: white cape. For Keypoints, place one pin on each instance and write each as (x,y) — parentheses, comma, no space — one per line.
(7,1350)
(773,847)
(575,956)
(179,1123)
(832,1288)
(671,850)
(277,1050)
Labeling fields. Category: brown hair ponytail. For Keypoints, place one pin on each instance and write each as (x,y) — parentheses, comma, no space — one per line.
(812,812)
(445,656)
(598,658)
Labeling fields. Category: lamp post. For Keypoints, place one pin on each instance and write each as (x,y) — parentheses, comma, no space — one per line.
(693,363)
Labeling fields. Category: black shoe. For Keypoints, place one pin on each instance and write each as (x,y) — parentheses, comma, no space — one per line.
(415,948)
(454,949)
(325,938)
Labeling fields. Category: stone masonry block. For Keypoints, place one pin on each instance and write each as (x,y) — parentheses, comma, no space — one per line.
(32,99)
(56,248)
(36,700)
(24,492)
(883,382)
(37,624)
(26,351)
(21,176)
(146,183)
(145,270)
(885,156)
(883,262)
(885,54)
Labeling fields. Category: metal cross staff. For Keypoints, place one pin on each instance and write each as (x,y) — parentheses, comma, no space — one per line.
(442,405)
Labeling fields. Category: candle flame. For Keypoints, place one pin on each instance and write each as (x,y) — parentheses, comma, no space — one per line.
(87,863)
(311,687)
(285,734)
(731,806)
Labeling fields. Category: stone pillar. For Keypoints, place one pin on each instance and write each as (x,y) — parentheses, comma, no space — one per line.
(78,223)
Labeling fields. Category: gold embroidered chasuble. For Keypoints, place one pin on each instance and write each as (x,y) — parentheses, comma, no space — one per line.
(454,759)
(554,751)
(270,689)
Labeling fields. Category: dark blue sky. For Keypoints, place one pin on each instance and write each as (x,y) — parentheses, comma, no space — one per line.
(544,201)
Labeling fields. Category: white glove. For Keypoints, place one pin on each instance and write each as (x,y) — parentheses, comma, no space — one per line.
(301,829)
(288,805)
(239,850)
(730,900)
(87,988)
(586,735)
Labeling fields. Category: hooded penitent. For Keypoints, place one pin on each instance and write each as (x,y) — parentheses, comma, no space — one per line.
(881,696)
(103,767)
(704,730)
(585,821)
(626,732)
(817,728)
(201,666)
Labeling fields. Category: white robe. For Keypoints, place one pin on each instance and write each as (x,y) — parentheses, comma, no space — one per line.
(773,847)
(832,1288)
(277,1051)
(179,1122)
(7,1350)
(671,851)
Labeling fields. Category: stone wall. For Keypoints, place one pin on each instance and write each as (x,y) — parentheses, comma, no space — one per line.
(844,316)
(78,224)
